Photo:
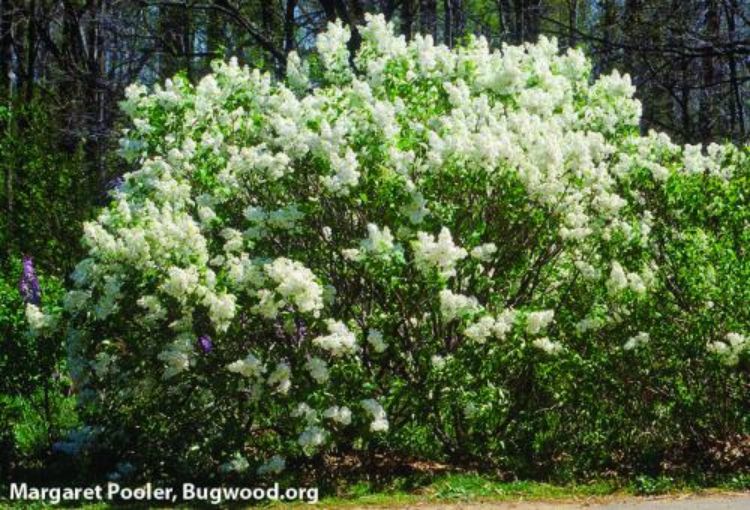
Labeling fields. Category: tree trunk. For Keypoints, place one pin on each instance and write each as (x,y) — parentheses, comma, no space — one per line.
(572,23)
(453,22)
(173,22)
(531,16)
(448,23)
(6,89)
(289,26)
(428,17)
(737,108)
(407,18)
(31,50)
(214,33)
(6,46)
(706,115)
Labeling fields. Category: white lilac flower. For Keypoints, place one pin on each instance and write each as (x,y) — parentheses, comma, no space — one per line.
(38,321)
(333,51)
(636,341)
(375,339)
(342,415)
(312,437)
(237,464)
(180,282)
(481,330)
(305,411)
(352,254)
(729,350)
(440,253)
(318,369)
(296,284)
(345,173)
(456,306)
(537,321)
(221,309)
(620,280)
(339,341)
(154,309)
(484,252)
(177,357)
(438,361)
(273,466)
(297,72)
(250,366)
(281,378)
(379,241)
(379,418)
(548,346)
(504,323)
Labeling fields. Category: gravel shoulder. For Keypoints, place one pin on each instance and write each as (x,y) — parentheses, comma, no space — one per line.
(724,501)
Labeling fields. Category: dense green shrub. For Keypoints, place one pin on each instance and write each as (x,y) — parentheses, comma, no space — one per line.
(50,187)
(35,406)
(462,254)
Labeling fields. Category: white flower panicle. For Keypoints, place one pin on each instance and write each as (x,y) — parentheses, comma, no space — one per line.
(455,306)
(537,321)
(730,349)
(342,415)
(548,346)
(296,284)
(440,253)
(379,241)
(619,280)
(274,466)
(178,356)
(636,341)
(250,366)
(312,437)
(237,464)
(281,378)
(379,418)
(38,321)
(318,369)
(375,339)
(339,341)
(484,252)
(488,326)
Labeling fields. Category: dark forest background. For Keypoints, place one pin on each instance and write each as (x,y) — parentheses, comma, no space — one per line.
(65,64)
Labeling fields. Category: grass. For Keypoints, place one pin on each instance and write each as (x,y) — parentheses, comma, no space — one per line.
(462,488)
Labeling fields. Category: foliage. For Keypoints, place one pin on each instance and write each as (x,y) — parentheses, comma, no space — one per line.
(34,408)
(461,254)
(47,191)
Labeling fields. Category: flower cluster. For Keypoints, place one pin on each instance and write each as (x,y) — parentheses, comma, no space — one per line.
(730,349)
(28,285)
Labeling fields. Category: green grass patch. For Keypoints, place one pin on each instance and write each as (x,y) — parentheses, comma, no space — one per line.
(456,488)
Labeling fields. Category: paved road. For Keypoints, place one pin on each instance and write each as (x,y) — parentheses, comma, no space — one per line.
(738,501)
(725,502)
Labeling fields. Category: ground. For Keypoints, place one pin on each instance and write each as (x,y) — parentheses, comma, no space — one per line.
(725,501)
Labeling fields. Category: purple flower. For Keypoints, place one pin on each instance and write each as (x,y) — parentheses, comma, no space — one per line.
(28,286)
(116,184)
(205,343)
